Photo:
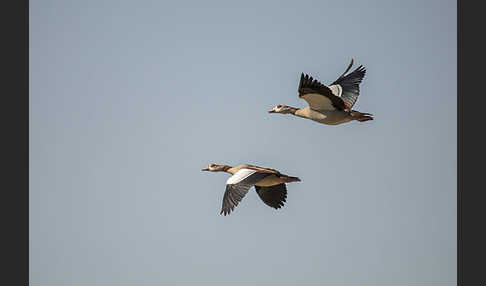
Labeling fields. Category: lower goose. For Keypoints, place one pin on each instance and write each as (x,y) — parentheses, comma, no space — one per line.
(269,185)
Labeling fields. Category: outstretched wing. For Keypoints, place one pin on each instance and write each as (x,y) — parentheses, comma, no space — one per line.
(237,186)
(318,96)
(273,196)
(349,85)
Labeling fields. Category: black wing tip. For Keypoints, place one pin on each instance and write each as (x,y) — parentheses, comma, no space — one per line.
(225,212)
(356,75)
(281,204)
(305,80)
(306,76)
(300,82)
(351,63)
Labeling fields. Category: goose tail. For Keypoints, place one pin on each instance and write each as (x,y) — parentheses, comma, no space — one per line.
(289,179)
(361,116)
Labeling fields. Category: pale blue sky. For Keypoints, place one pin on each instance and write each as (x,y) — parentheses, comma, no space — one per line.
(130,99)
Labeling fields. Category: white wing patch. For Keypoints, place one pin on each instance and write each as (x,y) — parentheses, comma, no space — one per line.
(318,102)
(336,89)
(240,176)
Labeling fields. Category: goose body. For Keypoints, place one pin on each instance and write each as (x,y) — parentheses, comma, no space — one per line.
(331,105)
(329,117)
(269,184)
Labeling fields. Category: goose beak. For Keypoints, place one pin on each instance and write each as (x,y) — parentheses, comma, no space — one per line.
(271,111)
(205,169)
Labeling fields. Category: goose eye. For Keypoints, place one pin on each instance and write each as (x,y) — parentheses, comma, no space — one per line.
(279,106)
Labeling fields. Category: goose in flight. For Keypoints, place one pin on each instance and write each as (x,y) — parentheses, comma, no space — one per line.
(331,104)
(269,185)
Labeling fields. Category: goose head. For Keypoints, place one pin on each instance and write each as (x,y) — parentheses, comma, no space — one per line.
(215,168)
(281,109)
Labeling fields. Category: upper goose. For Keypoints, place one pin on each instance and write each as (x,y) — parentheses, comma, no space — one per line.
(329,104)
(269,184)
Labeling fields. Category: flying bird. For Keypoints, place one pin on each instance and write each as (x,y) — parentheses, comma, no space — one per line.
(331,104)
(269,185)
